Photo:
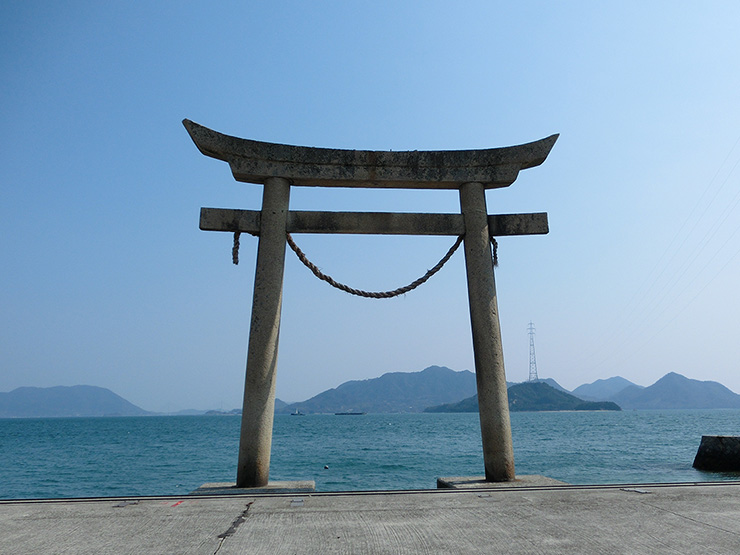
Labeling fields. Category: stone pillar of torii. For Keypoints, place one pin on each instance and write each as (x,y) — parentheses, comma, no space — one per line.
(279,167)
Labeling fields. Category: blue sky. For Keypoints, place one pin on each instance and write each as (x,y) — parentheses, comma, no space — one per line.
(107,280)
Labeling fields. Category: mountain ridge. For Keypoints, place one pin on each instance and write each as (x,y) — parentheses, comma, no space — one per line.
(603,389)
(675,391)
(65,401)
(391,392)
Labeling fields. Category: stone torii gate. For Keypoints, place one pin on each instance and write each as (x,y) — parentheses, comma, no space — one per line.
(278,167)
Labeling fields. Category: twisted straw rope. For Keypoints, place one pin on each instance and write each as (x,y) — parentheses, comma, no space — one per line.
(372,294)
(359,292)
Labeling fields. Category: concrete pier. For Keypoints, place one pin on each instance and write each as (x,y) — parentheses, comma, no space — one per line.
(643,518)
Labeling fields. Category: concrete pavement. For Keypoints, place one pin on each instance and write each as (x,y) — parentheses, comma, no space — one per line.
(697,518)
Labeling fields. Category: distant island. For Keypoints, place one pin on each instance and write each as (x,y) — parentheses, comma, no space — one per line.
(391,392)
(232,412)
(440,386)
(531,396)
(674,391)
(84,401)
(63,401)
(434,389)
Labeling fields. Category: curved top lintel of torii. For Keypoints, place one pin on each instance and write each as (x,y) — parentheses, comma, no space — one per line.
(256,161)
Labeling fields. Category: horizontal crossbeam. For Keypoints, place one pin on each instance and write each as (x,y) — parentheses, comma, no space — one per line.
(372,223)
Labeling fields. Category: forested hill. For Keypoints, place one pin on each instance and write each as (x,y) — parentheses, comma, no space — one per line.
(531,396)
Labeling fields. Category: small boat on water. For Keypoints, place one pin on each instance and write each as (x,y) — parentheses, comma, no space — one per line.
(297,413)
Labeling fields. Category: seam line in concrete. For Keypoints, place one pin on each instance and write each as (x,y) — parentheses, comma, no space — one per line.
(232,529)
(682,516)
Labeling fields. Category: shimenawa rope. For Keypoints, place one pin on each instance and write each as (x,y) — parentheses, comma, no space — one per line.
(359,292)
(372,294)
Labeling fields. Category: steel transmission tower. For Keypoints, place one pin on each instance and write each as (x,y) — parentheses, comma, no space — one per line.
(532,359)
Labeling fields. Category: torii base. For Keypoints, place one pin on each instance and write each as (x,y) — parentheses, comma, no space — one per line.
(229,488)
(479,482)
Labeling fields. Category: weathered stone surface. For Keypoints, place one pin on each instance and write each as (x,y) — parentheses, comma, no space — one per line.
(718,453)
(256,161)
(374,223)
(493,403)
(258,408)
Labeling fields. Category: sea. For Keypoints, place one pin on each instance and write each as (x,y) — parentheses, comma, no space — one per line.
(174,455)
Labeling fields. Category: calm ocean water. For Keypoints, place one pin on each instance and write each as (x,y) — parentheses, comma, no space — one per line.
(87,457)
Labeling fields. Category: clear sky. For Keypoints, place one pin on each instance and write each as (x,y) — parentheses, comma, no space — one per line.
(106,279)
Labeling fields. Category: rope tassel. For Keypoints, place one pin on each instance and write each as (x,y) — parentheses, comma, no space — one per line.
(235,248)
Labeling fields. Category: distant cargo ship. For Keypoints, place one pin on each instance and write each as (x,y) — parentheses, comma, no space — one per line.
(351,413)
